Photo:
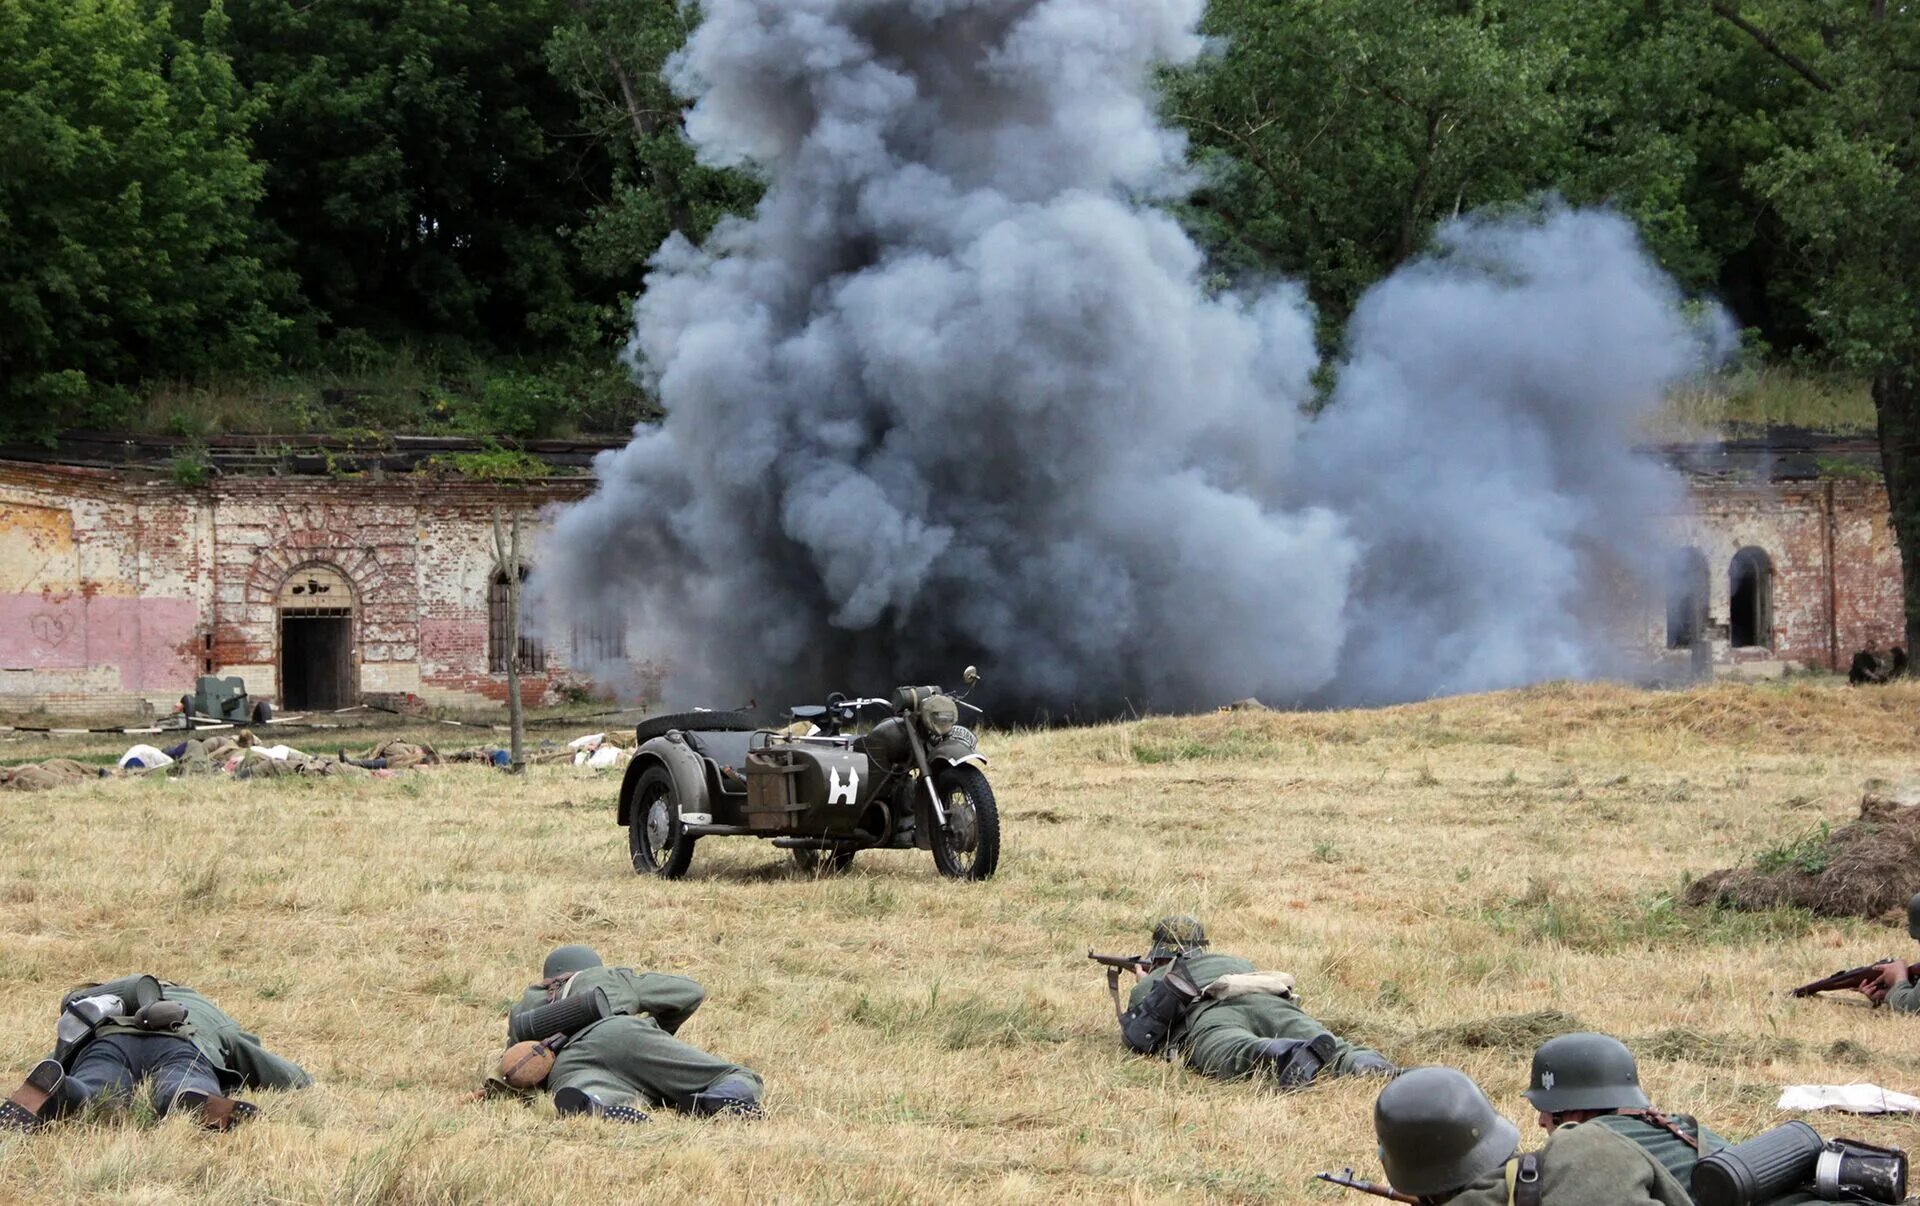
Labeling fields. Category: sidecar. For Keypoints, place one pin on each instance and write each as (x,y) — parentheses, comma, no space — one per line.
(718,774)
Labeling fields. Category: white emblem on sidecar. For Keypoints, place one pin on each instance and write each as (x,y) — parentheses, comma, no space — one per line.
(842,793)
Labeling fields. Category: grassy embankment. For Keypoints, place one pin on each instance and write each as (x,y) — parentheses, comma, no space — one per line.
(1451,881)
(414,391)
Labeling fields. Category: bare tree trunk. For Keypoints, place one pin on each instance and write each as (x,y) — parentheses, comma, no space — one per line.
(1896,401)
(507,548)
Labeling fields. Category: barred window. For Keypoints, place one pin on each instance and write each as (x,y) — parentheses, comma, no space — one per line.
(533,654)
(599,640)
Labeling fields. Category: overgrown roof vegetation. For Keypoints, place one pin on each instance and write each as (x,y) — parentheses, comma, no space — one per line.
(255,214)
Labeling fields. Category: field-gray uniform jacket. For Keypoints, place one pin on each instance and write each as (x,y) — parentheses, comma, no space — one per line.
(1583,1165)
(1221,1038)
(1674,1154)
(634,1057)
(1904,997)
(238,1058)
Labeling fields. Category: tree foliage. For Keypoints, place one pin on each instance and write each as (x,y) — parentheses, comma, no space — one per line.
(127,235)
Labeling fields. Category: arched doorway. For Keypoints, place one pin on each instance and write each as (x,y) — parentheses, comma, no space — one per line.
(1750,599)
(316,613)
(1686,599)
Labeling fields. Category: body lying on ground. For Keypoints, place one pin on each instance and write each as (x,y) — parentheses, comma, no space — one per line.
(115,1037)
(613,1049)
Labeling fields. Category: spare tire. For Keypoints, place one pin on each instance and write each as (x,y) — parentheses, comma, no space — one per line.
(694,722)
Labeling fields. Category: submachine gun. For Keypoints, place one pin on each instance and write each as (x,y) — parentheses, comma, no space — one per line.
(1851,978)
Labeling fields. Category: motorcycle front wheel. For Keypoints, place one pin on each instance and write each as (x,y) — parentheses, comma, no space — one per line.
(968,845)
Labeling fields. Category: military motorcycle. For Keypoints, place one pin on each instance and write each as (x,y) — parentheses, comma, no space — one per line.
(818,787)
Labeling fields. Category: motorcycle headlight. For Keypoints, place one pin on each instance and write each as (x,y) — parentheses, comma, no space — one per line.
(939,714)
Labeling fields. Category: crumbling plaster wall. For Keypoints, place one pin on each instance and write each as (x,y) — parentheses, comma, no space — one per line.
(115,594)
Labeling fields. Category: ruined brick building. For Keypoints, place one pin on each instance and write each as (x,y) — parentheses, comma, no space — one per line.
(323,576)
(326,575)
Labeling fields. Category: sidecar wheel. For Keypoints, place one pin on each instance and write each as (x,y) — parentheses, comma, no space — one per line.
(968,846)
(823,862)
(655,837)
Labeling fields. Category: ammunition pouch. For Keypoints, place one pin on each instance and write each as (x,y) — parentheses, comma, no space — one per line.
(566,1017)
(1765,1166)
(1850,1171)
(1148,1026)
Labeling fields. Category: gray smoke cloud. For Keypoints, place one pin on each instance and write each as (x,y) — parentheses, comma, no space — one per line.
(957,391)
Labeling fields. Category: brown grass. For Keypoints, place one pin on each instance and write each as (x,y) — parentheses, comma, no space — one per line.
(1454,881)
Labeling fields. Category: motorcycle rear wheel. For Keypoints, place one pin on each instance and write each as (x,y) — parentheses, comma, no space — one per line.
(968,845)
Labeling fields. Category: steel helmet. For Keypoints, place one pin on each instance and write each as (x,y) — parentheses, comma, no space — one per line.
(1913,916)
(1584,1072)
(1438,1132)
(564,960)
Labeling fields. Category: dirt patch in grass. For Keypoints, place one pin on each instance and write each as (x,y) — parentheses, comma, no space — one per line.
(1862,869)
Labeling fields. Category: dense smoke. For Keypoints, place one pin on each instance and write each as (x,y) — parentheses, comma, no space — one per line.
(957,391)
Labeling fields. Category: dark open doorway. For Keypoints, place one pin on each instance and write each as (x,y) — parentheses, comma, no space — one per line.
(316,660)
(1750,598)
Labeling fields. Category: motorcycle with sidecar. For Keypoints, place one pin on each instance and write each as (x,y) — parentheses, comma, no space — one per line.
(820,786)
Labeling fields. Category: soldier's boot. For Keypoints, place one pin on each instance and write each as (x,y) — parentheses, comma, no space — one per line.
(1294,1063)
(732,1094)
(214,1112)
(26,1108)
(1372,1063)
(571,1100)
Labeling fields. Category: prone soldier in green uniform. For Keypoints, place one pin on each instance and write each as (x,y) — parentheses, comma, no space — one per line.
(1441,1140)
(1229,1020)
(112,1037)
(1894,989)
(611,1034)
(1593,1078)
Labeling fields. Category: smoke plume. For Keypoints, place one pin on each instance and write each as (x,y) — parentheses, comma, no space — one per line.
(957,392)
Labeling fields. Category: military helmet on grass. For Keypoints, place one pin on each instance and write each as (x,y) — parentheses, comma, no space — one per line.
(1438,1132)
(565,960)
(1178,934)
(1584,1072)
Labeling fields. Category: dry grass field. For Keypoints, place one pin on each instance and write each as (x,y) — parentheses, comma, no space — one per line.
(1451,881)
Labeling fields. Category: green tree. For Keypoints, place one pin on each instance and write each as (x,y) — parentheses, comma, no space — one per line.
(126,207)
(1848,191)
(612,54)
(1334,133)
(422,164)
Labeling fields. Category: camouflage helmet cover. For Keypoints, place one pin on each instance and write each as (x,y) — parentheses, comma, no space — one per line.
(565,960)
(1913,916)
(1584,1072)
(1438,1132)
(1177,934)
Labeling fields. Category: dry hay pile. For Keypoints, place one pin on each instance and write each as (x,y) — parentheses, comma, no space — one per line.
(1864,869)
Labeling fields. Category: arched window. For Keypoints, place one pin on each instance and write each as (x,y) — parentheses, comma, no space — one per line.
(533,654)
(1686,598)
(1750,598)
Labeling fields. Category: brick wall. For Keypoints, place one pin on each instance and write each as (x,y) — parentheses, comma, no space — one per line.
(1835,567)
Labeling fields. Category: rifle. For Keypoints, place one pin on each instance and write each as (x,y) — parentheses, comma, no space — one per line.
(1346,1180)
(1852,977)
(1115,964)
(1131,962)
